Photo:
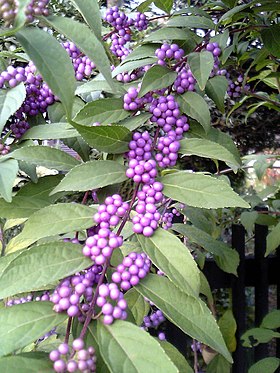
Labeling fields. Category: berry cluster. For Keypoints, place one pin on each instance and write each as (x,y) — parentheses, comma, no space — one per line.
(4,149)
(19,127)
(134,267)
(185,80)
(133,102)
(168,52)
(112,303)
(167,218)
(235,87)
(140,22)
(140,147)
(12,76)
(167,148)
(111,212)
(83,66)
(28,298)
(78,358)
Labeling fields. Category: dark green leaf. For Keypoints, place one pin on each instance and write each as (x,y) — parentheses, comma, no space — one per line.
(273,239)
(216,89)
(191,22)
(258,335)
(109,139)
(227,325)
(165,5)
(53,220)
(200,191)
(137,305)
(233,11)
(132,123)
(268,365)
(45,156)
(131,65)
(271,320)
(31,362)
(53,131)
(219,365)
(33,269)
(227,258)
(157,77)
(24,323)
(58,72)
(10,101)
(187,312)
(201,65)
(89,9)
(195,106)
(8,173)
(135,351)
(92,175)
(169,33)
(105,111)
(178,264)
(176,357)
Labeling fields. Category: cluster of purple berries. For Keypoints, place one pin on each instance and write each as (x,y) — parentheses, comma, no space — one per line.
(140,147)
(142,171)
(83,66)
(141,22)
(112,303)
(111,212)
(167,218)
(168,52)
(167,148)
(67,295)
(28,298)
(235,87)
(185,80)
(19,127)
(134,267)
(12,76)
(133,102)
(4,149)
(83,360)
(9,9)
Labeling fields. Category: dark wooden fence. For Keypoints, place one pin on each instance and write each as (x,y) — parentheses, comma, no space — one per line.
(253,271)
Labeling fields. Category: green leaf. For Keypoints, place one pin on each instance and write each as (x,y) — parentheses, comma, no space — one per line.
(218,365)
(86,40)
(177,264)
(191,22)
(273,239)
(52,220)
(92,175)
(96,84)
(132,123)
(56,112)
(176,357)
(10,101)
(233,11)
(137,305)
(45,156)
(207,149)
(200,191)
(227,259)
(271,320)
(228,326)
(24,323)
(248,219)
(216,89)
(201,65)
(143,51)
(195,106)
(205,289)
(58,72)
(105,111)
(255,336)
(132,65)
(33,269)
(187,312)
(168,34)
(9,169)
(268,365)
(90,11)
(144,6)
(109,139)
(53,131)
(79,145)
(30,362)
(157,77)
(135,351)
(165,5)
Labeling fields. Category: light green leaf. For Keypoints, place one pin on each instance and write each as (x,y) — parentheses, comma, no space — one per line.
(168,34)
(273,239)
(143,51)
(178,263)
(105,111)
(33,269)
(109,139)
(90,11)
(233,11)
(176,357)
(45,156)
(157,77)
(165,5)
(201,65)
(8,173)
(227,325)
(53,131)
(132,123)
(96,84)
(200,191)
(30,362)
(191,22)
(227,259)
(86,40)
(92,175)
(255,336)
(195,106)
(132,65)
(187,312)
(58,72)
(268,365)
(10,101)
(137,305)
(248,219)
(53,220)
(218,365)
(56,112)
(271,320)
(207,149)
(216,89)
(24,323)
(135,351)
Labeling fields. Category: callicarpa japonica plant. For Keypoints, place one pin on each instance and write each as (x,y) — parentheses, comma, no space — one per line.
(98,113)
